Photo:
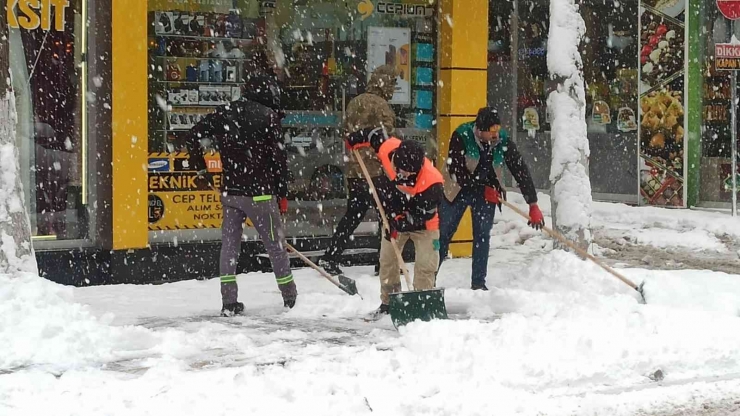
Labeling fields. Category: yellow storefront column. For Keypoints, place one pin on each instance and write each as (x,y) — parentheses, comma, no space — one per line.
(129,102)
(463,76)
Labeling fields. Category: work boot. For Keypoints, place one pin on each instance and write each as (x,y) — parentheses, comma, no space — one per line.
(290,293)
(377,314)
(231,309)
(330,265)
(478,286)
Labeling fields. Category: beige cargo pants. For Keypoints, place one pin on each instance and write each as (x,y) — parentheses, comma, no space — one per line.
(426,245)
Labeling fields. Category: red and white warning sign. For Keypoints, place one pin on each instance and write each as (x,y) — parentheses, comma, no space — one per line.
(729,8)
(727,56)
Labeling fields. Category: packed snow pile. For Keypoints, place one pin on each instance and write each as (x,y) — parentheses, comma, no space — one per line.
(565,323)
(662,228)
(555,335)
(41,326)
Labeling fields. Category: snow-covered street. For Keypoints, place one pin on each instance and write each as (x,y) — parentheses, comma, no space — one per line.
(555,335)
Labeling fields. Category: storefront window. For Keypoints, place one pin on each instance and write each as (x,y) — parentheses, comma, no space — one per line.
(609,53)
(321,52)
(47,51)
(716,132)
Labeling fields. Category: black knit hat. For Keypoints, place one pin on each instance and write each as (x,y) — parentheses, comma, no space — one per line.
(487,118)
(409,156)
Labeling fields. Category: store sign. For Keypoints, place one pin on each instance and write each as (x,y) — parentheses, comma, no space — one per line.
(34,14)
(178,198)
(366,9)
(729,8)
(727,56)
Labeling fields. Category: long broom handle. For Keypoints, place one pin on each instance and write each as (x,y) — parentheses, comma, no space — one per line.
(387,226)
(311,264)
(574,247)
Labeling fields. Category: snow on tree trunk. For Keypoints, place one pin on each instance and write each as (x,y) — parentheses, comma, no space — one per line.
(571,188)
(16,252)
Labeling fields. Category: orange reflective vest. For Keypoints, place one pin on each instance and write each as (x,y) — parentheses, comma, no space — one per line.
(427,176)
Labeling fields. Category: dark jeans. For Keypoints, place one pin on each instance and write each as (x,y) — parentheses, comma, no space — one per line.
(483,212)
(359,201)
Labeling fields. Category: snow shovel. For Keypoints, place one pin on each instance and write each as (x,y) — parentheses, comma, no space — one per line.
(346,284)
(583,253)
(413,304)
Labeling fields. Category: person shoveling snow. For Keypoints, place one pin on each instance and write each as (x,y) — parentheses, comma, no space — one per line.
(255,181)
(476,148)
(408,199)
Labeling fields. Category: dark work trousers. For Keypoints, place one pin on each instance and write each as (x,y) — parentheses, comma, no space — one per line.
(358,202)
(451,213)
(264,213)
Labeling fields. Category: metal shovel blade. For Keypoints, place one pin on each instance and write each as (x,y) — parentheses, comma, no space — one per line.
(424,305)
(349,285)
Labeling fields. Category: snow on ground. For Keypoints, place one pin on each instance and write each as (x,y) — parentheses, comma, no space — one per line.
(657,227)
(555,335)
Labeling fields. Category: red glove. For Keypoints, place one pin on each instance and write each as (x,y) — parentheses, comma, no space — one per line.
(492,195)
(283,205)
(536,219)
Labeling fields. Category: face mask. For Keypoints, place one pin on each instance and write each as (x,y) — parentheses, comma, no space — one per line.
(405,180)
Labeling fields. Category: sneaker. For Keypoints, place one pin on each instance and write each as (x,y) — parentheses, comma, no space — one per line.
(232,309)
(478,286)
(290,293)
(331,266)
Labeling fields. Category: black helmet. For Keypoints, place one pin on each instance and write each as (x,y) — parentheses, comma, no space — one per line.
(409,156)
(263,89)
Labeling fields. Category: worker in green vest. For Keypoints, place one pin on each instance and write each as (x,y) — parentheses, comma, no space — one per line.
(476,149)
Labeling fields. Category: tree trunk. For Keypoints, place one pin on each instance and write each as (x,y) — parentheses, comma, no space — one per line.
(16,251)
(571,187)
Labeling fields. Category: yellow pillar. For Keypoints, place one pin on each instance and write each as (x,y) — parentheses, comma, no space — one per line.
(129,123)
(463,77)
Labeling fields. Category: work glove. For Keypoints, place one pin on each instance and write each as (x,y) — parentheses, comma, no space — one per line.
(536,219)
(401,222)
(283,205)
(393,235)
(206,176)
(363,138)
(493,196)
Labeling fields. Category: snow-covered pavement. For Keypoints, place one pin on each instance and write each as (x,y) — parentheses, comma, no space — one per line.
(555,335)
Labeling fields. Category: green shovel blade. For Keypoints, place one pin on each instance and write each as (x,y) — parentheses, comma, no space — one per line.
(424,305)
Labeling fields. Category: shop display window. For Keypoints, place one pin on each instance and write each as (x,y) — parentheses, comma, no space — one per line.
(518,35)
(47,61)
(715,179)
(321,53)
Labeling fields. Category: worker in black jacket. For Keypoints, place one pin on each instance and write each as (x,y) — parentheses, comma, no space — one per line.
(410,192)
(248,136)
(476,149)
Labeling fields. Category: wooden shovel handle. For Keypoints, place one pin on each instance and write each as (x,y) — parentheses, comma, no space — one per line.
(399,255)
(311,264)
(580,251)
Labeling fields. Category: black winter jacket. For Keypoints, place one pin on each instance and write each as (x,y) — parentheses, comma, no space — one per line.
(249,138)
(484,173)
